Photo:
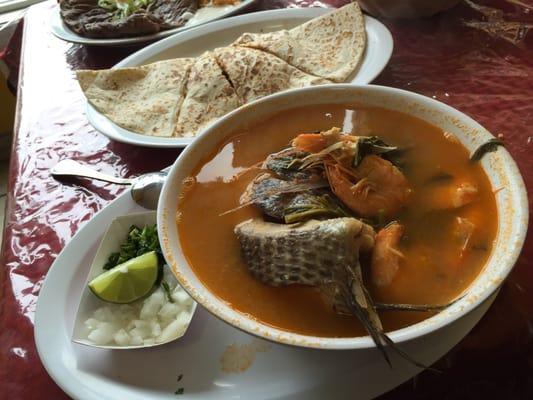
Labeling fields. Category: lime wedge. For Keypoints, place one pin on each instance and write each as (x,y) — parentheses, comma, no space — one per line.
(128,281)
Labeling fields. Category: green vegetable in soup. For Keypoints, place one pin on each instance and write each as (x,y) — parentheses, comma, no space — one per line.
(487,147)
(367,145)
(313,207)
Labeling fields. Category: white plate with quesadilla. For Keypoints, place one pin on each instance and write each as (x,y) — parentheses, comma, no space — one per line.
(153,99)
(203,15)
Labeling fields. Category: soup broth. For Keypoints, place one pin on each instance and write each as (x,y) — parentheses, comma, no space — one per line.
(434,269)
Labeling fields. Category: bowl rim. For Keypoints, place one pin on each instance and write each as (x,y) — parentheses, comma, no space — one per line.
(254,327)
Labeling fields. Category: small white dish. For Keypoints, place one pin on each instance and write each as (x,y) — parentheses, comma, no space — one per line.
(203,355)
(114,236)
(222,33)
(202,16)
(501,170)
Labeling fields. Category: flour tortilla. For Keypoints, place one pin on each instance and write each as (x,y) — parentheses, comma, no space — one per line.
(209,96)
(330,46)
(144,99)
(256,74)
(180,97)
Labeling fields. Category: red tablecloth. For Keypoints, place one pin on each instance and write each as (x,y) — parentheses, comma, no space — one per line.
(476,58)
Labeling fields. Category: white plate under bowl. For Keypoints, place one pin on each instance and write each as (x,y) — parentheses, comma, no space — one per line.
(221,33)
(276,371)
(204,15)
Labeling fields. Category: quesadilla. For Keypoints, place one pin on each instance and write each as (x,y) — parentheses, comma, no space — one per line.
(209,96)
(180,97)
(144,99)
(330,46)
(255,73)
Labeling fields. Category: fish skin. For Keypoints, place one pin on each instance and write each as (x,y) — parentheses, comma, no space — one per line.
(324,254)
(259,191)
(305,253)
(316,253)
(274,196)
(278,163)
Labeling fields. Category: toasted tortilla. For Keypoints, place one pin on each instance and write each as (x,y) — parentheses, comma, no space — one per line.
(330,46)
(209,96)
(254,73)
(144,99)
(180,97)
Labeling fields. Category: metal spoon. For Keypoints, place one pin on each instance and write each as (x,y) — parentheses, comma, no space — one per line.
(145,189)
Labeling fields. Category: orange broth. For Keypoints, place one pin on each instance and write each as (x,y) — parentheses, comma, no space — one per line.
(430,273)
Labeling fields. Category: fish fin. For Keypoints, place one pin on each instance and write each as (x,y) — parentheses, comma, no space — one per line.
(360,302)
(372,330)
(410,307)
(239,207)
(414,307)
(407,357)
(357,301)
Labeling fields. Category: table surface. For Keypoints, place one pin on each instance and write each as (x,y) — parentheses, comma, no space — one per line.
(477,58)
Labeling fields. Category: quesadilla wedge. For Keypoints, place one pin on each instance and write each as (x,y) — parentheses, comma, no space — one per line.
(330,46)
(209,96)
(254,73)
(144,99)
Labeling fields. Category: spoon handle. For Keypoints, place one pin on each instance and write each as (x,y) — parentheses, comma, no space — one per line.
(73,168)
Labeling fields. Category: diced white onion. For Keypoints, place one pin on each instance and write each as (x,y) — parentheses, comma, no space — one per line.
(144,322)
(103,334)
(122,338)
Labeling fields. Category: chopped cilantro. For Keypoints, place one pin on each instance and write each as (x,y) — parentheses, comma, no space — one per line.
(138,242)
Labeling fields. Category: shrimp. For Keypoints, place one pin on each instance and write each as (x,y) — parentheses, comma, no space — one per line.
(310,142)
(376,187)
(316,142)
(465,193)
(386,256)
(451,196)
